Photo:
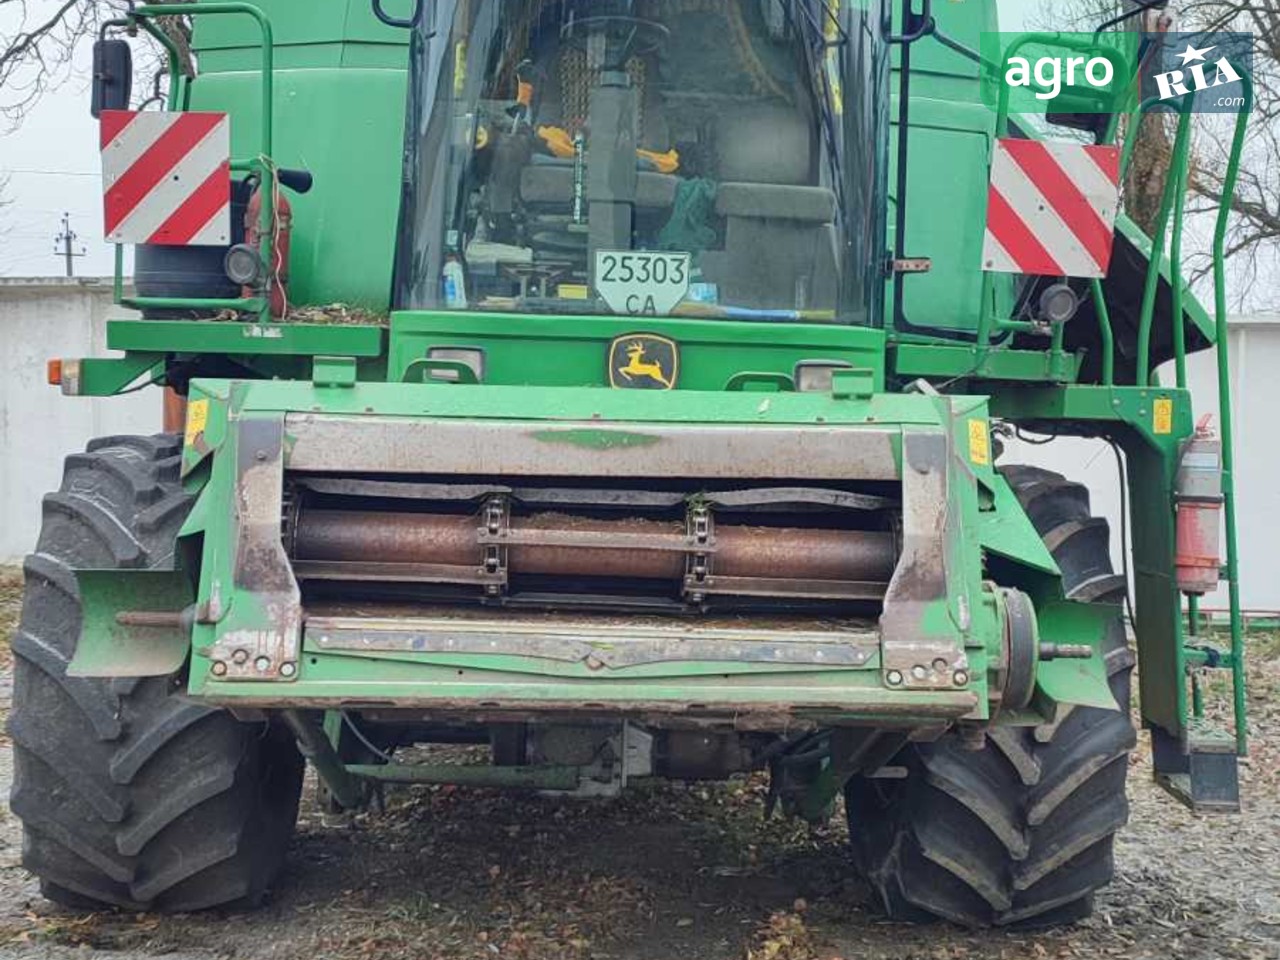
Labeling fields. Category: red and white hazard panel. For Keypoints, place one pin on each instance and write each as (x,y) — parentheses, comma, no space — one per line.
(167,178)
(1051,208)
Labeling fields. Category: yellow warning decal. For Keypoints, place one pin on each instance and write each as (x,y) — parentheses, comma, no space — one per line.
(1162,417)
(979,443)
(197,417)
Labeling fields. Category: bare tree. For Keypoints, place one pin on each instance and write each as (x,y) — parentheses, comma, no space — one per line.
(1253,242)
(1254,231)
(1154,136)
(37,55)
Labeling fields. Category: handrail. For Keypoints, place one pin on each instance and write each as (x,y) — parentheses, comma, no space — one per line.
(1177,317)
(1104,332)
(262,163)
(175,81)
(1172,202)
(268,52)
(1224,409)
(987,321)
(1177,175)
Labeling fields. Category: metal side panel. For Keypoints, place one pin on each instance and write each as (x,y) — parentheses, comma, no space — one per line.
(260,624)
(374,444)
(601,644)
(923,648)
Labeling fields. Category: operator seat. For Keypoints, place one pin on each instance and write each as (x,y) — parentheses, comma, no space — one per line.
(779,236)
(565,81)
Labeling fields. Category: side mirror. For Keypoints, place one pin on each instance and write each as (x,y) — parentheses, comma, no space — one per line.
(112,76)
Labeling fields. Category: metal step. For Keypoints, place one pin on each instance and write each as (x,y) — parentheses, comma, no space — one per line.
(1205,774)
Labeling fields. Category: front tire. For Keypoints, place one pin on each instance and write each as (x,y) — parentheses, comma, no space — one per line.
(1019,831)
(130,794)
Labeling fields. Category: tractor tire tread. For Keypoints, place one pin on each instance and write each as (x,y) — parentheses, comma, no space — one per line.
(130,795)
(1021,831)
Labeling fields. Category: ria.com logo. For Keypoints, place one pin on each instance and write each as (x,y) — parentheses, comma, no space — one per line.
(1080,73)
(1209,67)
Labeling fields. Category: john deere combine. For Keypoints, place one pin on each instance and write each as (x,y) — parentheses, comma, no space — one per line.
(680,455)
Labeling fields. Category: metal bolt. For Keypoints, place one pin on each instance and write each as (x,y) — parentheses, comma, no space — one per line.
(262,664)
(940,665)
(960,678)
(919,671)
(260,455)
(219,669)
(288,669)
(893,678)
(240,656)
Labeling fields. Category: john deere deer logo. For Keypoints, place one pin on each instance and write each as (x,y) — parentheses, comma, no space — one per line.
(642,361)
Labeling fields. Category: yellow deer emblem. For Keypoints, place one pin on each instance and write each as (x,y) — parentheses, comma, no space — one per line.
(651,362)
(637,366)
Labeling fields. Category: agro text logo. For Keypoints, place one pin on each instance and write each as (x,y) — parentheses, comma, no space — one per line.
(1049,72)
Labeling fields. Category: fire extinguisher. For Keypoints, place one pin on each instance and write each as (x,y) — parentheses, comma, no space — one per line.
(1197,492)
(246,263)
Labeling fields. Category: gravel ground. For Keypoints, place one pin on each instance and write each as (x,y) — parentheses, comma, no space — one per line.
(673,873)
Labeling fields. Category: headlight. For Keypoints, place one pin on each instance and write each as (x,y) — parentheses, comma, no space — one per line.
(814,376)
(472,357)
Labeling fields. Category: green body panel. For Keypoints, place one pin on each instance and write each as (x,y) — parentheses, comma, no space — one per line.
(1062,683)
(118,649)
(1128,415)
(291,340)
(340,91)
(333,60)
(918,359)
(574,351)
(948,296)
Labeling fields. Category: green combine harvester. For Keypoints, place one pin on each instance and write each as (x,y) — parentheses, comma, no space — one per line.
(679,455)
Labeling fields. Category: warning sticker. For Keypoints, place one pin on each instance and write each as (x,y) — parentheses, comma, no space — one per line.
(197,417)
(979,443)
(1162,417)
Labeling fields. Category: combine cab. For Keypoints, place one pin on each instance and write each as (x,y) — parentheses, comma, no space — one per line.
(657,452)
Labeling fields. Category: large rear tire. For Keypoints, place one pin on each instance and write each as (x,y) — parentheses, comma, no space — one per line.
(130,794)
(1019,831)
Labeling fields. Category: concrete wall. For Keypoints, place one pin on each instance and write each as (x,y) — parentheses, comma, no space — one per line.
(40,319)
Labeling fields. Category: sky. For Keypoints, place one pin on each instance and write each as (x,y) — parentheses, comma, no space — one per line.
(51,163)
(52,166)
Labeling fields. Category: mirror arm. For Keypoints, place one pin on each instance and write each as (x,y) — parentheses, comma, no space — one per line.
(409,23)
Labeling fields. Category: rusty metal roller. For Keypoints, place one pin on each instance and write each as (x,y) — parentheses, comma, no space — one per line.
(564,545)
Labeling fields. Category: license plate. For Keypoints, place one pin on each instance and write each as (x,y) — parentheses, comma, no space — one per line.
(638,283)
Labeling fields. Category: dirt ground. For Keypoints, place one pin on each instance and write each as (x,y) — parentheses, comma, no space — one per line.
(672,873)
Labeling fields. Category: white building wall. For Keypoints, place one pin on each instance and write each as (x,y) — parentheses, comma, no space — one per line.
(41,319)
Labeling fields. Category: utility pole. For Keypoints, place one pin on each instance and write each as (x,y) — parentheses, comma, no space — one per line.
(64,245)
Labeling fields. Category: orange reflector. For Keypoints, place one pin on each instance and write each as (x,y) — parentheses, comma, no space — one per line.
(53,371)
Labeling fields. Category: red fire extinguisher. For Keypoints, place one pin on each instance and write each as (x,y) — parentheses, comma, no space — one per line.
(247,264)
(1197,491)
